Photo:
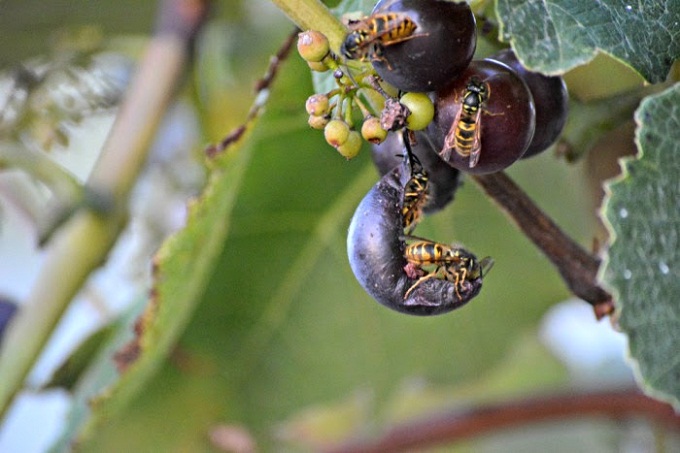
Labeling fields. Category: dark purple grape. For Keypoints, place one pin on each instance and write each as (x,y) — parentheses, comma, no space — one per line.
(444,179)
(551,100)
(375,246)
(501,127)
(438,50)
(7,311)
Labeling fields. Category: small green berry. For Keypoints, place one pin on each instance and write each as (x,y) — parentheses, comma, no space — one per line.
(352,145)
(317,105)
(318,66)
(372,131)
(318,122)
(422,110)
(313,45)
(336,132)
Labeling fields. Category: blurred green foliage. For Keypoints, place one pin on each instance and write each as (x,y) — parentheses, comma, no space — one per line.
(283,329)
(284,325)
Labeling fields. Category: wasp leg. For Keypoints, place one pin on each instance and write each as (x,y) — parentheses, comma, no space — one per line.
(406,38)
(377,55)
(420,280)
(459,277)
(411,228)
(490,113)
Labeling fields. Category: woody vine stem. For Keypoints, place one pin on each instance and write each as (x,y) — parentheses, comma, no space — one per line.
(577,267)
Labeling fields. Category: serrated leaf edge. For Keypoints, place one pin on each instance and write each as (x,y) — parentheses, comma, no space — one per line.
(604,267)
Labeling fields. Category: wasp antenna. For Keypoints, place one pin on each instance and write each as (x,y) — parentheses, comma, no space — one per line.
(412,158)
(415,238)
(349,74)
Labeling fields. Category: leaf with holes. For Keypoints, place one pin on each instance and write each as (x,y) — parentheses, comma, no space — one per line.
(643,262)
(556,35)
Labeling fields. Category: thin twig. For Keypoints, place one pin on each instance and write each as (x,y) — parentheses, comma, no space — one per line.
(577,267)
(261,93)
(463,424)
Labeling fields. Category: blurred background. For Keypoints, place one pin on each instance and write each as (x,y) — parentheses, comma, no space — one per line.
(285,351)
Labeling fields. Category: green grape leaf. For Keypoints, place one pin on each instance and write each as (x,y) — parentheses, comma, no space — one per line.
(99,374)
(554,36)
(181,270)
(363,7)
(643,261)
(72,369)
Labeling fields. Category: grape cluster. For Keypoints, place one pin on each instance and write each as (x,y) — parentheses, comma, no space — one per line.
(430,113)
(376,247)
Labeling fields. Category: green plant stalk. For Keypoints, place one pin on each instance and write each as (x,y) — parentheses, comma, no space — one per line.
(314,15)
(85,240)
(68,262)
(69,193)
(42,168)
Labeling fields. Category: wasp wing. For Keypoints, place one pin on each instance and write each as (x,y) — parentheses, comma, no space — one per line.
(450,139)
(476,149)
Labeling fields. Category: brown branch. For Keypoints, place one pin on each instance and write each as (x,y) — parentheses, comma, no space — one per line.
(462,424)
(577,267)
(261,86)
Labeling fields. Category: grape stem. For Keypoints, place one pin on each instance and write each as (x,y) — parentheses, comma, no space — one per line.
(463,424)
(314,15)
(577,267)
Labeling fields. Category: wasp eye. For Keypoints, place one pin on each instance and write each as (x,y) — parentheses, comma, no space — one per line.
(345,47)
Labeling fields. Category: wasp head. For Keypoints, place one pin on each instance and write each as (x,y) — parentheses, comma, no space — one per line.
(479,88)
(351,46)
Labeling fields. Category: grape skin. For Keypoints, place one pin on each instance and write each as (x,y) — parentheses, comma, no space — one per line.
(375,247)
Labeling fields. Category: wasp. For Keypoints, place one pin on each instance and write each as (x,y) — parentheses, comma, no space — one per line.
(453,264)
(416,190)
(465,135)
(416,196)
(368,36)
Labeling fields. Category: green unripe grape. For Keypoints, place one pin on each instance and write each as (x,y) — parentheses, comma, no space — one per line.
(372,131)
(352,146)
(317,105)
(318,122)
(336,132)
(313,45)
(422,110)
